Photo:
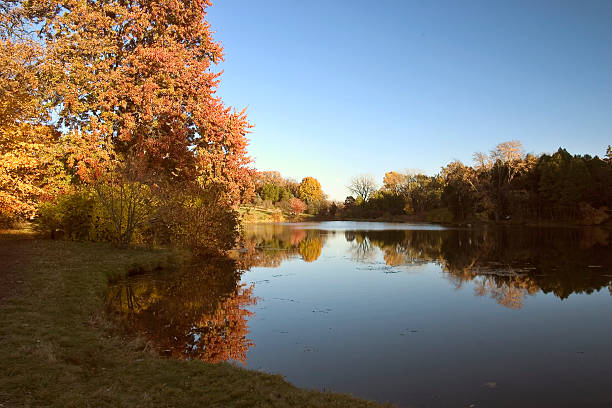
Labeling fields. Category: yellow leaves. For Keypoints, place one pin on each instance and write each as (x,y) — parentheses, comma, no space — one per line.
(29,169)
(310,190)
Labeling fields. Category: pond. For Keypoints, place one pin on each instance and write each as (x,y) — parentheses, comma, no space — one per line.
(418,315)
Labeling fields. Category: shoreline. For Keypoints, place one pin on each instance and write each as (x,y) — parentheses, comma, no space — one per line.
(463,224)
(71,353)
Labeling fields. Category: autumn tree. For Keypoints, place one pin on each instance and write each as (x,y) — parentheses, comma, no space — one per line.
(460,188)
(297,206)
(310,190)
(30,165)
(125,82)
(268,177)
(395,183)
(135,78)
(418,191)
(497,170)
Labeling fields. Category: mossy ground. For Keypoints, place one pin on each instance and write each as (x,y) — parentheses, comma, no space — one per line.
(58,348)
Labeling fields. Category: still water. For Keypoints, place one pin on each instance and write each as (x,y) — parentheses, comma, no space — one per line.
(417,315)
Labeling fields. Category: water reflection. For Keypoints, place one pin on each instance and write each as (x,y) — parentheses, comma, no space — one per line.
(349,301)
(507,264)
(193,313)
(269,245)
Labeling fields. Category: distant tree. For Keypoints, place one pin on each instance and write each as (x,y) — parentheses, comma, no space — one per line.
(508,156)
(270,192)
(297,206)
(333,209)
(410,192)
(284,194)
(425,192)
(349,201)
(395,182)
(481,161)
(563,183)
(609,154)
(363,186)
(460,189)
(268,177)
(496,172)
(310,190)
(293,187)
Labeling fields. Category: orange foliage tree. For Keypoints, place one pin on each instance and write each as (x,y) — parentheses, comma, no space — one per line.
(133,77)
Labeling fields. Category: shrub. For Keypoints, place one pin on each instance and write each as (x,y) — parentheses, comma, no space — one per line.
(73,216)
(128,207)
(198,218)
(125,212)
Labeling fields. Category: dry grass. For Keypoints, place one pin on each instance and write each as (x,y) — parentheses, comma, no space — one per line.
(58,349)
(252,215)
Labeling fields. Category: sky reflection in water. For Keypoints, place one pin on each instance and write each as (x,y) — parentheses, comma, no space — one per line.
(421,315)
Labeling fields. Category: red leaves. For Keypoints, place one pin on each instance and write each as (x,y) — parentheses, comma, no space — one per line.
(138,74)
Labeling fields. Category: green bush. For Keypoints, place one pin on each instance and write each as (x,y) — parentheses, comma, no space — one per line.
(106,213)
(70,216)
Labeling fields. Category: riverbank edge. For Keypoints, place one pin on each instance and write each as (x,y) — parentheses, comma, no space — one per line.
(60,348)
(457,224)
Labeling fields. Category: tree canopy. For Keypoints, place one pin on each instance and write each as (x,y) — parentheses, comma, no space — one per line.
(503,184)
(115,103)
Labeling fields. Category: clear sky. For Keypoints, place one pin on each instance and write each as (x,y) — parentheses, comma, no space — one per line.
(339,88)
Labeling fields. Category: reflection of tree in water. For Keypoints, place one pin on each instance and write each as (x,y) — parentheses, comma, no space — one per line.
(360,248)
(509,293)
(310,248)
(268,245)
(506,264)
(221,335)
(193,313)
(408,247)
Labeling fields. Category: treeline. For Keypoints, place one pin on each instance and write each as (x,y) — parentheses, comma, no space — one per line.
(110,128)
(274,191)
(505,184)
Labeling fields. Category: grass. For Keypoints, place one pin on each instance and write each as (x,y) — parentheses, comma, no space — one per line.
(59,349)
(253,214)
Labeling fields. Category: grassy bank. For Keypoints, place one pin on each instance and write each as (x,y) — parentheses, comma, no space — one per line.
(58,348)
(253,214)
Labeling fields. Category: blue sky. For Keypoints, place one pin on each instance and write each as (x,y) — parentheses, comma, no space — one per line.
(339,88)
